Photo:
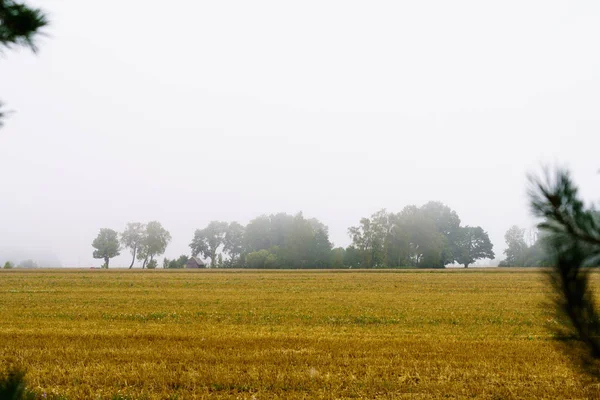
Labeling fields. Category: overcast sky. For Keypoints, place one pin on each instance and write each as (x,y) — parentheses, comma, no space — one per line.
(190,111)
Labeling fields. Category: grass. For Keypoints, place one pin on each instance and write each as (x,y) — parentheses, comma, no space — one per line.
(121,334)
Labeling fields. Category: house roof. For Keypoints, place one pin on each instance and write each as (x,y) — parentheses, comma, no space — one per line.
(197,260)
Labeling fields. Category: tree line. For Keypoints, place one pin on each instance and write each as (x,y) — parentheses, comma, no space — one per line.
(519,253)
(430,236)
(144,241)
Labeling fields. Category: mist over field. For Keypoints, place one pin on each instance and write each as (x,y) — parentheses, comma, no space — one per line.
(336,109)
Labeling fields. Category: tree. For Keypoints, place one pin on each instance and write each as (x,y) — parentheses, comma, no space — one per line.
(365,241)
(516,247)
(176,264)
(472,243)
(258,234)
(447,222)
(352,257)
(298,249)
(106,245)
(257,259)
(573,240)
(337,257)
(423,245)
(132,238)
(19,25)
(8,265)
(28,264)
(208,240)
(233,243)
(293,241)
(321,249)
(154,243)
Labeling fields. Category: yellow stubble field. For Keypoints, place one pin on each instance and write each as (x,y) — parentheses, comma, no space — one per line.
(121,334)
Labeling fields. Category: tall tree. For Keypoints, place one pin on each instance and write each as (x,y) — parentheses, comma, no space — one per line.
(233,242)
(516,246)
(258,234)
(447,223)
(472,244)
(19,26)
(322,246)
(299,246)
(106,245)
(288,240)
(424,243)
(133,237)
(208,240)
(368,237)
(155,242)
(281,226)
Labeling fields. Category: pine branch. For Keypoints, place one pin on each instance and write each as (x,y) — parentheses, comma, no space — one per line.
(574,241)
(19,24)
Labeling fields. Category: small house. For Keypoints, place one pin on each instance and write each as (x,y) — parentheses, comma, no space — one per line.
(194,262)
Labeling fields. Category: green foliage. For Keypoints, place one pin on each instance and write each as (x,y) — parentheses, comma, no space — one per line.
(273,241)
(447,223)
(258,234)
(154,243)
(352,257)
(12,384)
(106,245)
(263,259)
(257,259)
(471,244)
(337,257)
(176,264)
(233,244)
(519,254)
(516,246)
(8,265)
(133,237)
(28,264)
(152,264)
(271,261)
(416,236)
(19,24)
(429,236)
(573,242)
(207,241)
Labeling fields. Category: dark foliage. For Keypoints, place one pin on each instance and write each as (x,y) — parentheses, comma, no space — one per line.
(12,385)
(19,24)
(573,240)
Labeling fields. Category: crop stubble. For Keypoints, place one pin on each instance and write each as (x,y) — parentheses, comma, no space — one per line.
(285,334)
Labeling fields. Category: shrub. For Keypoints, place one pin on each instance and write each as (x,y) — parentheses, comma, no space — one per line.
(257,259)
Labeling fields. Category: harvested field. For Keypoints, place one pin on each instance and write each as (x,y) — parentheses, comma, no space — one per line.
(285,334)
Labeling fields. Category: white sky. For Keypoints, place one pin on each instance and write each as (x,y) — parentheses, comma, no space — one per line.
(189,111)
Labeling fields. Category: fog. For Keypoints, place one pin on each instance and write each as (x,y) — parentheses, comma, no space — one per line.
(186,112)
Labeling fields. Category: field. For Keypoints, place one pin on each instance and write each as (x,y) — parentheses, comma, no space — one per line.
(285,334)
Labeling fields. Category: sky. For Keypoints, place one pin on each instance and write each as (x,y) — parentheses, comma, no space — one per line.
(190,111)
